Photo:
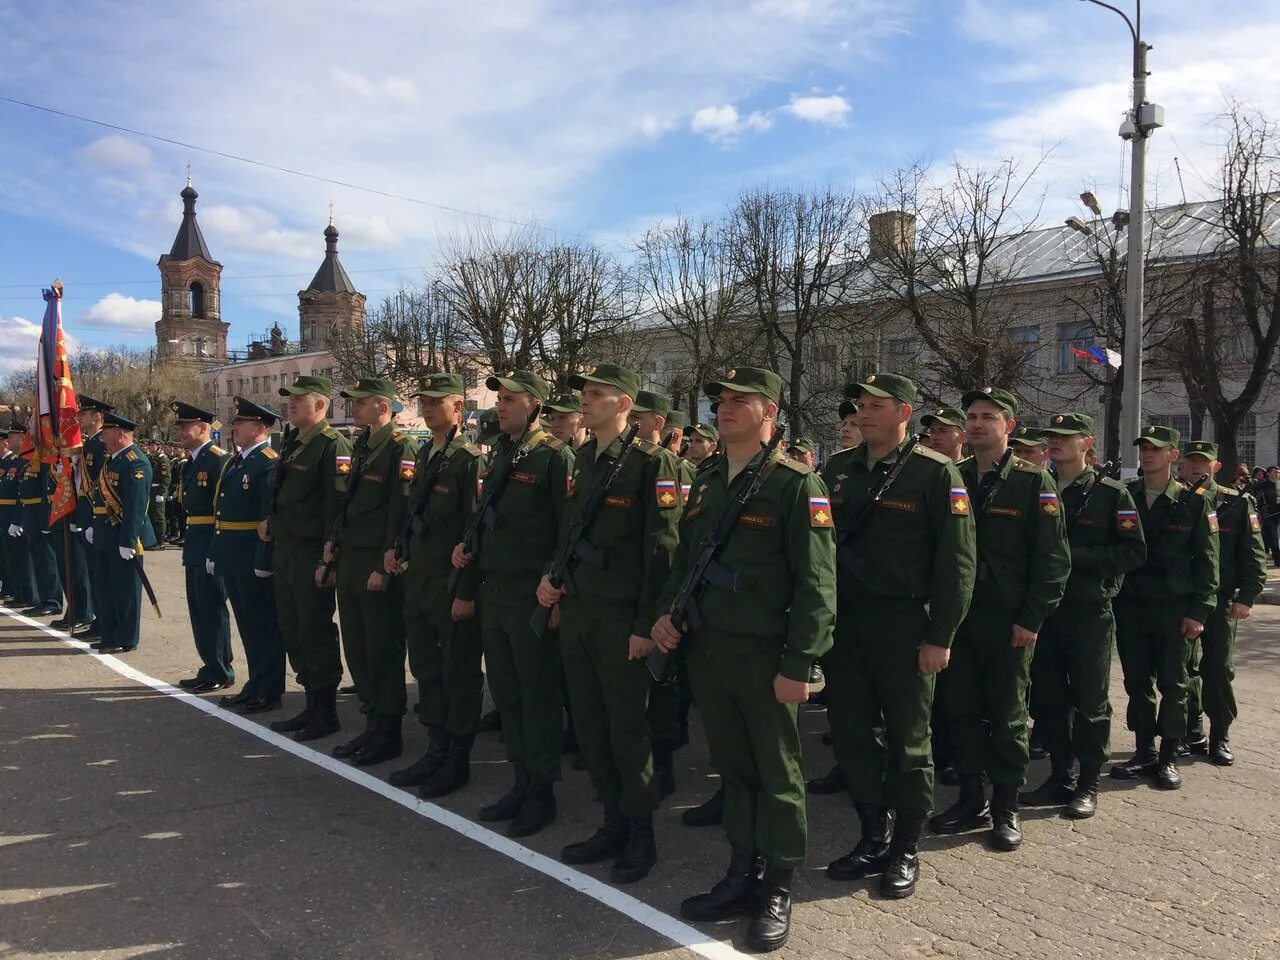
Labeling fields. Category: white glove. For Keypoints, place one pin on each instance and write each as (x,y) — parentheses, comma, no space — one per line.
(74,528)
(159,499)
(15,530)
(208,567)
(88,534)
(126,553)
(261,574)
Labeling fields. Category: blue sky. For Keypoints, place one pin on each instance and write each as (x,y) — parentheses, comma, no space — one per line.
(597,118)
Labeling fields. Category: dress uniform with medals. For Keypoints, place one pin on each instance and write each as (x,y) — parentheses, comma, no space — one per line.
(93,454)
(206,592)
(20,582)
(242,500)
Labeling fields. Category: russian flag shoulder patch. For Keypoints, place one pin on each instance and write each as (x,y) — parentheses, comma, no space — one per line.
(820,512)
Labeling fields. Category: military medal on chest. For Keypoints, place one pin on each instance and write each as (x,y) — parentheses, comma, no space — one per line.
(245,482)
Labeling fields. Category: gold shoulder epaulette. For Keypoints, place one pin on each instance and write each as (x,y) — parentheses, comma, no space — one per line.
(269,453)
(216,450)
(131,455)
(932,454)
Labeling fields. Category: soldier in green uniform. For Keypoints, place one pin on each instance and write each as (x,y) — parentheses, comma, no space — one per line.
(565,413)
(606,609)
(442,631)
(1024,561)
(749,660)
(673,431)
(488,433)
(1242,576)
(20,584)
(383,462)
(906,576)
(308,487)
(242,499)
(161,470)
(1071,670)
(701,441)
(206,592)
(946,429)
(1032,445)
(850,432)
(530,470)
(125,531)
(1164,605)
(801,449)
(178,461)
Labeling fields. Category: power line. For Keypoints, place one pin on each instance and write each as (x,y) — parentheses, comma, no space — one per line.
(243,276)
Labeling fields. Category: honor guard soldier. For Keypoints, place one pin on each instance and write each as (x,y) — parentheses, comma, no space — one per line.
(33,502)
(66,535)
(946,429)
(206,593)
(1023,564)
(369,599)
(122,533)
(1164,605)
(308,484)
(1032,445)
(161,470)
(176,517)
(752,632)
(242,499)
(618,541)
(20,582)
(522,502)
(93,453)
(1242,576)
(565,413)
(442,632)
(1071,670)
(908,559)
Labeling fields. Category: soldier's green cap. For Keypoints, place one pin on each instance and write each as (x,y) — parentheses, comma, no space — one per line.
(439,385)
(1029,437)
(370,387)
(1069,424)
(520,381)
(704,431)
(611,375)
(1160,436)
(847,407)
(308,384)
(886,385)
(1201,448)
(649,402)
(1002,398)
(248,410)
(800,444)
(747,380)
(489,430)
(948,416)
(565,403)
(677,418)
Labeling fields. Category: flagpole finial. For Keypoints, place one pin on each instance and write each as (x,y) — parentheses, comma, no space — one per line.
(57,287)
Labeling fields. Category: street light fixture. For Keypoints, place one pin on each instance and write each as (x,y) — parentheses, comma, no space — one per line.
(1079,226)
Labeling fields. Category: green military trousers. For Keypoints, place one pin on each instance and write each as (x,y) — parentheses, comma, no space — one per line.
(1070,681)
(524,676)
(1211,669)
(444,656)
(609,695)
(755,744)
(305,614)
(372,633)
(987,697)
(1153,654)
(880,702)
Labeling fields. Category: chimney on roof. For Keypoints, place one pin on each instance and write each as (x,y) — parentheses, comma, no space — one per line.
(893,233)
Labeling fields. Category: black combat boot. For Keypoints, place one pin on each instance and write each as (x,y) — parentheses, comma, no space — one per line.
(871,853)
(664,770)
(454,773)
(324,716)
(771,917)
(1219,751)
(640,853)
(1195,742)
(1006,824)
(537,811)
(903,868)
(1084,802)
(509,804)
(1035,748)
(1057,789)
(607,843)
(420,771)
(299,720)
(834,781)
(1166,771)
(1143,761)
(387,744)
(349,749)
(969,812)
(733,895)
(705,814)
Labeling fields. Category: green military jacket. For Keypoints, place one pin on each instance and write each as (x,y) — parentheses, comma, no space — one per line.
(1024,559)
(312,482)
(635,529)
(161,469)
(523,536)
(1105,535)
(450,504)
(783,549)
(382,469)
(919,542)
(1242,558)
(1181,530)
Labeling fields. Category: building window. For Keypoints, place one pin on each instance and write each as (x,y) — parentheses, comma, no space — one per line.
(1179,421)
(197,299)
(1071,337)
(1247,439)
(1027,338)
(257,384)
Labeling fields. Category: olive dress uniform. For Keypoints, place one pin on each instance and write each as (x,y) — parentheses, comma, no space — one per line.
(33,496)
(124,486)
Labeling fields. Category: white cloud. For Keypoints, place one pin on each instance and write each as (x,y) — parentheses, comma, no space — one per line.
(120,313)
(829,111)
(116,151)
(19,339)
(653,126)
(397,89)
(725,123)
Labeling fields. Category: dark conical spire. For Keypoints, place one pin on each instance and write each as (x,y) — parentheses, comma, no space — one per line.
(331,278)
(189,243)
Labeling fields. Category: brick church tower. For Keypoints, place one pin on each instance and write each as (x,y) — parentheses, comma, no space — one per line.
(190,325)
(330,300)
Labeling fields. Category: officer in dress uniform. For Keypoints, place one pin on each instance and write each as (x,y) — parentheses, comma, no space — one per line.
(122,533)
(93,454)
(161,471)
(19,586)
(206,593)
(242,500)
(33,499)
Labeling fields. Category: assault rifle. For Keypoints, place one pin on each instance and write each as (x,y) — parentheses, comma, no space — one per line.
(413,523)
(1108,469)
(353,481)
(287,440)
(845,556)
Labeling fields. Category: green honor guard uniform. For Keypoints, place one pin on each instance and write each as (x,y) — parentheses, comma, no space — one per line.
(1164,605)
(309,481)
(907,569)
(124,485)
(242,500)
(20,584)
(206,592)
(444,652)
(1071,670)
(369,598)
(1242,576)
